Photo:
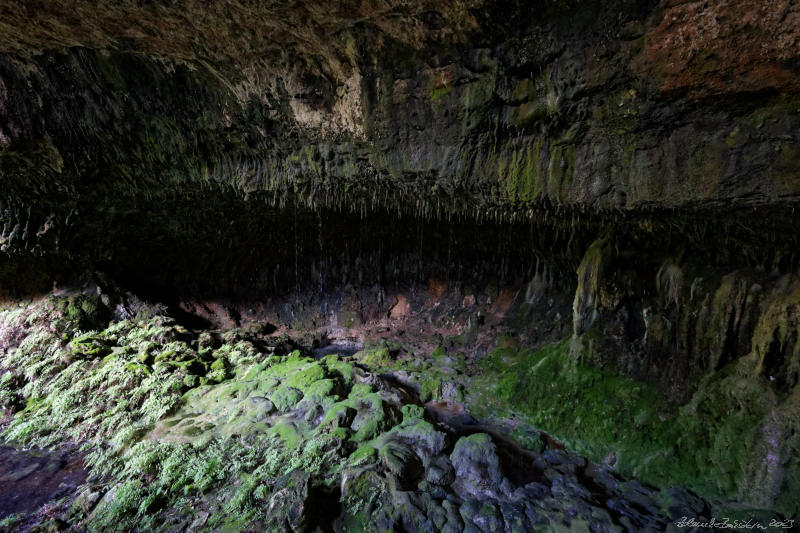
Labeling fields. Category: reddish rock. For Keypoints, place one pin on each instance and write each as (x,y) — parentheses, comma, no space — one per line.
(723,47)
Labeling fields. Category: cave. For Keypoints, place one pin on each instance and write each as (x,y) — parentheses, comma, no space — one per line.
(399,265)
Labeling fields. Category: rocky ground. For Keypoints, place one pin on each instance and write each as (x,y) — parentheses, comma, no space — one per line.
(241,430)
(35,485)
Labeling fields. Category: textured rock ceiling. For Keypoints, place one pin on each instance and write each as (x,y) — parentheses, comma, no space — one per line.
(241,38)
(688,44)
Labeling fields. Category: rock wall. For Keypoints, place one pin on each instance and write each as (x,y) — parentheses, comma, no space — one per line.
(453,110)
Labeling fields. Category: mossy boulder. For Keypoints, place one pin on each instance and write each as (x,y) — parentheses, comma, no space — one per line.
(476,465)
(219,371)
(285,398)
(89,346)
(403,462)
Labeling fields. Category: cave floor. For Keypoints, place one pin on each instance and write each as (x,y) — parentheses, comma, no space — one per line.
(243,430)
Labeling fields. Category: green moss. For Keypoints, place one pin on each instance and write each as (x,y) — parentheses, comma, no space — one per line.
(163,438)
(8,523)
(524,90)
(617,115)
(220,370)
(113,396)
(713,444)
(560,170)
(429,377)
(521,176)
(475,101)
(412,412)
(438,92)
(414,428)
(302,378)
(430,388)
(320,390)
(287,433)
(139,368)
(349,319)
(285,397)
(533,100)
(734,139)
(377,357)
(344,369)
(365,453)
(89,346)
(167,355)
(587,294)
(373,416)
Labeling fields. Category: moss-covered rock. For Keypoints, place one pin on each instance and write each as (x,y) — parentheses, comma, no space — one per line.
(269,446)
(89,346)
(476,465)
(716,443)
